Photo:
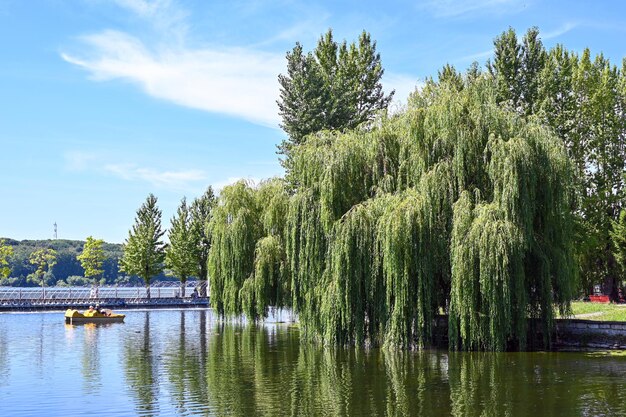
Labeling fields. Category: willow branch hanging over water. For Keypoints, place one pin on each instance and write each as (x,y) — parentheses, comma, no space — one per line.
(454,205)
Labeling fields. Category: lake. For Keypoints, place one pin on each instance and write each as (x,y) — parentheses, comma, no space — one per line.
(187,363)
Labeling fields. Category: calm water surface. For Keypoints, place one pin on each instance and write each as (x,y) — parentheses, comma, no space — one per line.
(184,363)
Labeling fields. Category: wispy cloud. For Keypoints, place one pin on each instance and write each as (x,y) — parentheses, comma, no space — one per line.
(233,81)
(100,163)
(562,30)
(476,56)
(168,179)
(240,82)
(463,8)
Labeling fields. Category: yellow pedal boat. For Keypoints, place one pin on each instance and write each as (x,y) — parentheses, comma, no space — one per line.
(92,316)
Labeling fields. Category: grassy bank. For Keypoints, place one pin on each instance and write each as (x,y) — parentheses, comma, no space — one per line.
(597,311)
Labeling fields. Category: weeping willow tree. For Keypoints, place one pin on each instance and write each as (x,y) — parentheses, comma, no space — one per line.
(248,265)
(235,229)
(454,205)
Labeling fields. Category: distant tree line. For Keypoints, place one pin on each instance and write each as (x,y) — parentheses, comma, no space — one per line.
(67,270)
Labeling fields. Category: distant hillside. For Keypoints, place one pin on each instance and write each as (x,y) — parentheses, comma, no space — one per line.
(67,265)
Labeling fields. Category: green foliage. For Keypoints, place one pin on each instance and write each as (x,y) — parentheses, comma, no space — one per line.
(235,229)
(618,237)
(456,204)
(144,252)
(6,252)
(92,257)
(44,260)
(67,264)
(247,262)
(583,99)
(335,87)
(376,249)
(201,212)
(78,281)
(182,253)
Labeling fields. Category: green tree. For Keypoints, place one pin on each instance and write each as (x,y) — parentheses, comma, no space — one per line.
(449,74)
(6,251)
(44,260)
(336,87)
(506,68)
(92,258)
(144,251)
(201,214)
(181,254)
(516,68)
(533,57)
(583,99)
(235,230)
(618,237)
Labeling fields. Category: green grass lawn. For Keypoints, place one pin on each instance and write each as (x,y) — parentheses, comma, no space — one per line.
(597,311)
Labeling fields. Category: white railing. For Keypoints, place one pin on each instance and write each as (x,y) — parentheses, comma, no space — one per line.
(159,292)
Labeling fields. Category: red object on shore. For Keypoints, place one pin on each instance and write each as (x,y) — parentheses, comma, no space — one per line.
(599,299)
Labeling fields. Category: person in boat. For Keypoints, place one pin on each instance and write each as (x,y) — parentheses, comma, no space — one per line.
(103,311)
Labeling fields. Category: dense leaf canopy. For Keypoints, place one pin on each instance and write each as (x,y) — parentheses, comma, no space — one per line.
(455,205)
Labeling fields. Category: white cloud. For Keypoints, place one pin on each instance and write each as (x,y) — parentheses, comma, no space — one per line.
(461,8)
(476,56)
(167,179)
(234,81)
(566,27)
(240,82)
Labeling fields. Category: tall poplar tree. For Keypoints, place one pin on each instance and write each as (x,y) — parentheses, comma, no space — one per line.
(181,253)
(144,251)
(201,215)
(336,87)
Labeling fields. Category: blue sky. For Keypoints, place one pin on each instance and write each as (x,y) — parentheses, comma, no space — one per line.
(105,101)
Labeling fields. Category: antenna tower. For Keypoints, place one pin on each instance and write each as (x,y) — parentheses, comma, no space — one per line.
(55,231)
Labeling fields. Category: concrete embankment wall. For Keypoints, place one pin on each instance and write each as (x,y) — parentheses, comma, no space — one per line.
(587,334)
(569,334)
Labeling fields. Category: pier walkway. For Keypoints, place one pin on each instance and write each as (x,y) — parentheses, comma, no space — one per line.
(37,299)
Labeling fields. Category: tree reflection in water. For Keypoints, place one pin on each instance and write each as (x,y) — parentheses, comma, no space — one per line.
(141,370)
(234,369)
